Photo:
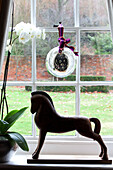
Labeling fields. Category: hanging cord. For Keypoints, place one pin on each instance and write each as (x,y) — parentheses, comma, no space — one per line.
(3,90)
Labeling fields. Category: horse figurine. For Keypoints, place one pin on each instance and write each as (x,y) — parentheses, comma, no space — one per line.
(48,120)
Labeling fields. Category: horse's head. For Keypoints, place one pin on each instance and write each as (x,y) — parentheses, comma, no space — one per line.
(35,103)
(44,94)
(38,99)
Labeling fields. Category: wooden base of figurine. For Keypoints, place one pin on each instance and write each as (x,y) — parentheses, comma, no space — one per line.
(65,161)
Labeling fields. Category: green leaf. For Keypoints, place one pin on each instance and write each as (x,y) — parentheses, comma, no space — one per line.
(3,126)
(12,116)
(6,137)
(19,139)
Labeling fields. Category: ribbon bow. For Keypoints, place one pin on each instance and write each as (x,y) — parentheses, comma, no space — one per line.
(63,42)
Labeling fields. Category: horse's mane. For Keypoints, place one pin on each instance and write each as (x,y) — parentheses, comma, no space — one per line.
(43,93)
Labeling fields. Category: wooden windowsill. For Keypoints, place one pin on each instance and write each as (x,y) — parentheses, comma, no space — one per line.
(20,162)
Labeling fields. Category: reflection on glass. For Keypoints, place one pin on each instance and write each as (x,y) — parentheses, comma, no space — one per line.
(96,55)
(93,13)
(17,98)
(43,47)
(64,101)
(53,11)
(99,105)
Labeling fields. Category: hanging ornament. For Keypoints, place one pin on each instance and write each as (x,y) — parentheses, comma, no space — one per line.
(61,61)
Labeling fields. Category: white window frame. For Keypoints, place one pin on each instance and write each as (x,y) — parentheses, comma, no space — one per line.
(64,144)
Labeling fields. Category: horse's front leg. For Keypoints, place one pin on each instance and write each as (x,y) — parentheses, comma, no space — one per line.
(42,135)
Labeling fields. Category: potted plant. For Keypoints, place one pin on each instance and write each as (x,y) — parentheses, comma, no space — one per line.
(9,140)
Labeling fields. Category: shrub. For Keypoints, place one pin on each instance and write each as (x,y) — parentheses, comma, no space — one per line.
(72,78)
(52,88)
(93,88)
(102,43)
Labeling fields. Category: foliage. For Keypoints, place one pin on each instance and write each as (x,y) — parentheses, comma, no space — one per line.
(86,78)
(102,43)
(73,78)
(8,122)
(93,88)
(92,78)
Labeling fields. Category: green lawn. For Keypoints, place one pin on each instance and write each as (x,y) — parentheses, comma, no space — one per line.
(98,105)
(18,98)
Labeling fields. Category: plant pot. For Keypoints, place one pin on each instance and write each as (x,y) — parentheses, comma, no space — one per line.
(8,148)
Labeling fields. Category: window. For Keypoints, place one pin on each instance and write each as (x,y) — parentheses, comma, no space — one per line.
(88,90)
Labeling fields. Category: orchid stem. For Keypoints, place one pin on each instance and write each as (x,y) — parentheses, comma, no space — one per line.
(3,90)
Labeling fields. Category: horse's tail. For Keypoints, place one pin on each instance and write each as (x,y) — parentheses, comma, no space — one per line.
(97,125)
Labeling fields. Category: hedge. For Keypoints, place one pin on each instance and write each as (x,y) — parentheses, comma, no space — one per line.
(94,88)
(52,88)
(72,78)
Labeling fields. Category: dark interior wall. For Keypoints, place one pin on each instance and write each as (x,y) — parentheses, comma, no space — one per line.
(4,12)
(0,4)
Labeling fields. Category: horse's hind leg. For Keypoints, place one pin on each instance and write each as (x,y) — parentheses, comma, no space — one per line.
(98,138)
(42,135)
(104,150)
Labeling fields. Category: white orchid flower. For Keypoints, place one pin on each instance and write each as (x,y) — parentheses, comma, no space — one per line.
(28,31)
(24,37)
(43,34)
(19,27)
(32,31)
(30,26)
(9,46)
(8,41)
(32,34)
(38,33)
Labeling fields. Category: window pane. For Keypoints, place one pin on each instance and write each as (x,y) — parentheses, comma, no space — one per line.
(17,98)
(54,11)
(99,105)
(93,13)
(63,98)
(43,47)
(22,11)
(96,55)
(20,60)
(20,64)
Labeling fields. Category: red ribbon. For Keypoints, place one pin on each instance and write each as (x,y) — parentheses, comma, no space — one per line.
(63,43)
